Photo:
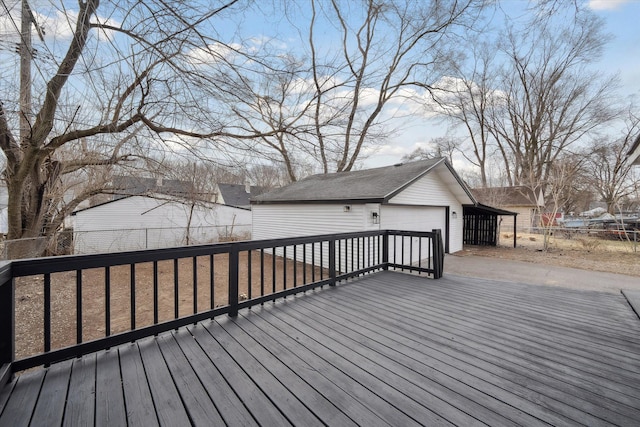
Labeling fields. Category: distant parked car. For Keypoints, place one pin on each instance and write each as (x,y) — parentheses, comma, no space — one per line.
(621,231)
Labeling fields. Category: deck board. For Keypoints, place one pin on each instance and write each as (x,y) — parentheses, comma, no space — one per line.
(135,387)
(199,406)
(56,384)
(110,407)
(166,399)
(385,349)
(80,407)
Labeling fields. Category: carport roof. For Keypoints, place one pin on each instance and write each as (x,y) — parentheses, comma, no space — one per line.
(376,185)
(480,208)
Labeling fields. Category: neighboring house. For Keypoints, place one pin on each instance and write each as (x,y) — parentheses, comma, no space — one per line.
(143,222)
(518,199)
(236,195)
(124,186)
(421,196)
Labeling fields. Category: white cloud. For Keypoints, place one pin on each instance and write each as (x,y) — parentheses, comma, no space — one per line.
(213,53)
(58,25)
(606,4)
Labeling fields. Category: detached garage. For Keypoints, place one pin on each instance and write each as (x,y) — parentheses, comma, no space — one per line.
(147,222)
(418,196)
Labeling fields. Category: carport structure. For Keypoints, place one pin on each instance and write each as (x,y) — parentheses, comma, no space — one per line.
(481,225)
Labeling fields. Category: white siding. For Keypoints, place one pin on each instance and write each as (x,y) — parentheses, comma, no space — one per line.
(144,223)
(430,192)
(292,220)
(420,207)
(524,221)
(412,218)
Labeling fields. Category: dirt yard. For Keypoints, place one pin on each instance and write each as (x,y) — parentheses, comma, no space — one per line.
(586,253)
(30,296)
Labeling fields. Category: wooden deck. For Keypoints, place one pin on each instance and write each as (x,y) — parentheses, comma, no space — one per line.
(387,349)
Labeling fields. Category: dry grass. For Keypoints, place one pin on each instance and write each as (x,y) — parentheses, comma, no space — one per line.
(584,252)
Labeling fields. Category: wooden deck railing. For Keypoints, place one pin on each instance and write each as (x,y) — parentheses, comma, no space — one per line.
(114,298)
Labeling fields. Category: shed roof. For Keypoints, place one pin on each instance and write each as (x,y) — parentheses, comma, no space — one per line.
(369,185)
(518,195)
(236,194)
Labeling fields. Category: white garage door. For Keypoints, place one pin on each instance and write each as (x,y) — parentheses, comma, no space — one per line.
(417,218)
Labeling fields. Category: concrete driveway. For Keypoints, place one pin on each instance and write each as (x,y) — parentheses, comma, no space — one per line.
(538,274)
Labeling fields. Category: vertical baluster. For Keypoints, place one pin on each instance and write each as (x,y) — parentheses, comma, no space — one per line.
(295,266)
(352,255)
(155,292)
(284,267)
(420,254)
(394,250)
(47,312)
(321,261)
(212,288)
(234,257)
(176,290)
(402,253)
(132,276)
(313,262)
(195,285)
(262,272)
(410,250)
(339,267)
(107,297)
(249,275)
(78,306)
(304,264)
(273,271)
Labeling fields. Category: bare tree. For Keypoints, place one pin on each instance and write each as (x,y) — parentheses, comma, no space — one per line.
(534,97)
(393,46)
(611,177)
(467,100)
(437,147)
(551,100)
(126,69)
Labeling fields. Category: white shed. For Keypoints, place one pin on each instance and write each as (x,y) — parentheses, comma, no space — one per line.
(417,196)
(147,222)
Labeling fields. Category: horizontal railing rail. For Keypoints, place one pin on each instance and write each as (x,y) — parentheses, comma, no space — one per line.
(58,308)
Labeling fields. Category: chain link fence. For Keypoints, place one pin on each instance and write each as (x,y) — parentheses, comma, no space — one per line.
(101,241)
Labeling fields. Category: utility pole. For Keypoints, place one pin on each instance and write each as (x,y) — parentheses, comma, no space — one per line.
(25,73)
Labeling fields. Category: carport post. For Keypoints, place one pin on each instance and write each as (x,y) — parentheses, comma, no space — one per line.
(515,219)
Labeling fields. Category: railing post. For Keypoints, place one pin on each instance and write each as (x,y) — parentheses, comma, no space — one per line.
(234,260)
(332,262)
(385,250)
(7,322)
(438,254)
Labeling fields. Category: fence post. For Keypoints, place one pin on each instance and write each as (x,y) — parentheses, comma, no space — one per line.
(332,261)
(385,250)
(438,254)
(234,260)
(7,322)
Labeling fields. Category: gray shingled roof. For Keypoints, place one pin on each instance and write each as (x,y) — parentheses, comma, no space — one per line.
(364,185)
(235,194)
(518,195)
